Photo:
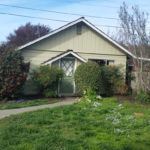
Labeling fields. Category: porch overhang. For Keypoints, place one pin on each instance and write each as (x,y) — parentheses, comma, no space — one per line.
(61,55)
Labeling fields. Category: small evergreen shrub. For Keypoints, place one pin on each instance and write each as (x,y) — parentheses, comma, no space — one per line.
(47,79)
(13,74)
(104,80)
(87,76)
(106,86)
(48,93)
(111,81)
(143,97)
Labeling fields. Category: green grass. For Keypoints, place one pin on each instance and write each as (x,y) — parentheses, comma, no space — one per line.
(104,125)
(26,103)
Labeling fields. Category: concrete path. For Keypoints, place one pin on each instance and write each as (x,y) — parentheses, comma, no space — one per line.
(9,112)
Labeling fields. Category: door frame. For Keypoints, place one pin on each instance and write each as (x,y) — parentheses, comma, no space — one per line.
(74,69)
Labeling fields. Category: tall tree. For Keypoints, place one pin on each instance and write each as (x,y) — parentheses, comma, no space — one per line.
(135,37)
(26,33)
(23,35)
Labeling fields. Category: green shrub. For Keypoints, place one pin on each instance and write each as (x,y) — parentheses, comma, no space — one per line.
(143,97)
(122,88)
(87,76)
(50,93)
(47,78)
(104,80)
(90,95)
(111,79)
(106,86)
(13,74)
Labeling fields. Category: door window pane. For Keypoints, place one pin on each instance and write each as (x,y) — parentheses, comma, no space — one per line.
(68,66)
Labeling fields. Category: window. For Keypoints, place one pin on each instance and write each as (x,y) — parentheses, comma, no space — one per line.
(100,62)
(68,66)
(110,62)
(79,29)
(103,62)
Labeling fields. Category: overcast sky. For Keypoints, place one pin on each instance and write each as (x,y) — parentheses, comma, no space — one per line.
(103,8)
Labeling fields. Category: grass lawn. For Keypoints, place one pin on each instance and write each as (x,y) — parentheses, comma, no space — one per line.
(25,103)
(101,125)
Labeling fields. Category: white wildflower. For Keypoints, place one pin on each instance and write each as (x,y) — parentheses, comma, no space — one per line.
(84,92)
(78,100)
(129,117)
(98,97)
(120,106)
(96,104)
(117,131)
(88,100)
(115,121)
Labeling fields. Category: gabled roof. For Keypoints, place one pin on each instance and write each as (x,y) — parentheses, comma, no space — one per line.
(53,59)
(82,19)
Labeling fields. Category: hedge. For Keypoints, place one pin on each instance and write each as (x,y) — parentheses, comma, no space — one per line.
(104,80)
(47,79)
(87,76)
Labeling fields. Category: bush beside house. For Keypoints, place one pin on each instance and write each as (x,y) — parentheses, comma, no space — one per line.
(143,97)
(87,76)
(105,80)
(13,74)
(112,81)
(47,79)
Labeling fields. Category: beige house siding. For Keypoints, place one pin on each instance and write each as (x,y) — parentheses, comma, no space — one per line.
(88,45)
(118,60)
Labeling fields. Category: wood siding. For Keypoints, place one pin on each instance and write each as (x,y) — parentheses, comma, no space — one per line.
(89,45)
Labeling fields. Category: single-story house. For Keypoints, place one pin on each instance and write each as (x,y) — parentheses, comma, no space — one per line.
(72,44)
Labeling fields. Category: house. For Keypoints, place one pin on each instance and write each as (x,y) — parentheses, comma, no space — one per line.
(72,44)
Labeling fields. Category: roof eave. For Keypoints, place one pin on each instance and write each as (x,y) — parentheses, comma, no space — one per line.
(82,19)
(63,55)
(51,33)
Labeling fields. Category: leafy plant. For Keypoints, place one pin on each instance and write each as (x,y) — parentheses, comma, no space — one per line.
(104,80)
(89,95)
(47,78)
(111,79)
(13,74)
(143,97)
(121,88)
(87,76)
(106,87)
(50,93)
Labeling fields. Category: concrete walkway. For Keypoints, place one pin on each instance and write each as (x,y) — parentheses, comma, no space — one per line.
(9,112)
